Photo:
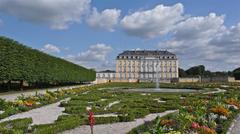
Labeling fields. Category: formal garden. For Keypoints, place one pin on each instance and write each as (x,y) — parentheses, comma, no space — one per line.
(204,111)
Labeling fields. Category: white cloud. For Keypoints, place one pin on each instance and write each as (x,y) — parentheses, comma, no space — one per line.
(199,27)
(58,14)
(49,48)
(96,52)
(205,40)
(195,33)
(151,23)
(110,65)
(107,19)
(94,57)
(229,45)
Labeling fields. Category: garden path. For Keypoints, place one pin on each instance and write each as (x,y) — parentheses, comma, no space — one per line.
(11,96)
(43,115)
(218,90)
(116,128)
(235,128)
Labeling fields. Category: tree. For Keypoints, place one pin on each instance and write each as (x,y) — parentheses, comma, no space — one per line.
(182,73)
(236,73)
(196,70)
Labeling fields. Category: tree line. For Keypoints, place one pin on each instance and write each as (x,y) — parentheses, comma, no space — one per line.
(201,71)
(24,64)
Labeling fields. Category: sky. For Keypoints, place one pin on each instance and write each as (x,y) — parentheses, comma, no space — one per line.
(92,33)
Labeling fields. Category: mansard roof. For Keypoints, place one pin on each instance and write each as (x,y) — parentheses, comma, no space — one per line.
(146,53)
(107,71)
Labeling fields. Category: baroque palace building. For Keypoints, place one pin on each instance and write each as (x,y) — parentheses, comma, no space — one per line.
(143,66)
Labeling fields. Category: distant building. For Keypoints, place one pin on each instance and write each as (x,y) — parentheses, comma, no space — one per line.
(143,66)
(147,65)
(107,74)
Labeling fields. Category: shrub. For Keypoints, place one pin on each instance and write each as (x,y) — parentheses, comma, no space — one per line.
(127,118)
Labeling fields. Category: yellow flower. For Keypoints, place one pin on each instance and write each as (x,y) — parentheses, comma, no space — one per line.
(233,102)
(220,110)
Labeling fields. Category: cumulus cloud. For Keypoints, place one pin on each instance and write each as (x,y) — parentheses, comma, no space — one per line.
(94,57)
(58,14)
(199,27)
(195,32)
(49,48)
(205,40)
(106,19)
(228,44)
(96,52)
(151,23)
(110,65)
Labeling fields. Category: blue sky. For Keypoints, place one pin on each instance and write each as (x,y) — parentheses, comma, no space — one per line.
(93,39)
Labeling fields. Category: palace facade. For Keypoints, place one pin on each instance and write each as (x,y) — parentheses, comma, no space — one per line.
(144,66)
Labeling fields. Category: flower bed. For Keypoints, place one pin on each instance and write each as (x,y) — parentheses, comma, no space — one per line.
(26,103)
(199,115)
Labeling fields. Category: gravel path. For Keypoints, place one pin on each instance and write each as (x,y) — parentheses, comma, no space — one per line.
(235,127)
(214,92)
(116,128)
(43,115)
(11,96)
(111,104)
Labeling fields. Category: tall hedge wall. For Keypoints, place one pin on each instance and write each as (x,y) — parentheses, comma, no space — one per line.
(21,63)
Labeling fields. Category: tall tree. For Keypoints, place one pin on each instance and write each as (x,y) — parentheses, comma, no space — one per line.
(236,73)
(182,73)
(196,70)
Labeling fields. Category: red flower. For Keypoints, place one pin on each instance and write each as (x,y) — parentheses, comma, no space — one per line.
(28,104)
(195,125)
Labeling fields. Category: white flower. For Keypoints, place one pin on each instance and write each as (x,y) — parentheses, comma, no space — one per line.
(213,116)
(232,106)
(223,117)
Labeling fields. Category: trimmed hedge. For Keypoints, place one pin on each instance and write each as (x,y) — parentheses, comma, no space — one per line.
(18,126)
(21,63)
(63,123)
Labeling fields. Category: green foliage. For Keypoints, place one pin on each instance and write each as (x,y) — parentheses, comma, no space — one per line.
(182,73)
(196,116)
(236,73)
(18,126)
(196,70)
(63,123)
(20,63)
(199,70)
